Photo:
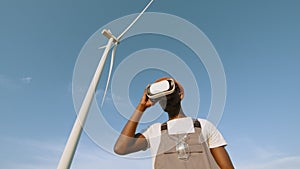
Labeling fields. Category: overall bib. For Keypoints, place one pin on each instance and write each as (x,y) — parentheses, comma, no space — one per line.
(184,151)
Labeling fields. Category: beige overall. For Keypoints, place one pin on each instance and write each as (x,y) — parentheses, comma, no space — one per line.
(196,154)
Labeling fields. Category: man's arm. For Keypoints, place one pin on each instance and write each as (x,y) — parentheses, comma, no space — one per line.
(129,141)
(221,157)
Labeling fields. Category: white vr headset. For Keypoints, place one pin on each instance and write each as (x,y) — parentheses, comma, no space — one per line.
(159,89)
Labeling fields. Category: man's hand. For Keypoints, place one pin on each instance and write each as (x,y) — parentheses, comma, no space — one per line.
(145,102)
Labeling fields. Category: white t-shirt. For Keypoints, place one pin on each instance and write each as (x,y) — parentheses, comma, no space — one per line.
(209,131)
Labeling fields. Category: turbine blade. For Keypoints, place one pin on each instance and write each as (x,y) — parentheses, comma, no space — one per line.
(109,73)
(101,47)
(134,21)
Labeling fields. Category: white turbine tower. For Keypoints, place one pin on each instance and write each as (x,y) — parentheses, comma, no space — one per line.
(70,148)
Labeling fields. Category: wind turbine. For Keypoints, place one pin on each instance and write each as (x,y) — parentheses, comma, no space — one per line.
(70,148)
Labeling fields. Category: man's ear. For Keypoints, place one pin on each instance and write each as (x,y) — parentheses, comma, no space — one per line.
(181,94)
(181,90)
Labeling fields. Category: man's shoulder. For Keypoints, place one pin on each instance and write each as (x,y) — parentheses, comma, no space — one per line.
(204,121)
(155,125)
(152,127)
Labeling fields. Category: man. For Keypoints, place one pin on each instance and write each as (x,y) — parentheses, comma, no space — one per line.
(199,145)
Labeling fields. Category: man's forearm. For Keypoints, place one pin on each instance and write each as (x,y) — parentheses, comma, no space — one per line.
(127,137)
(222,158)
(131,125)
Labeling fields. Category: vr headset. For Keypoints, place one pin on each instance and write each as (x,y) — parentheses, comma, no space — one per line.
(160,89)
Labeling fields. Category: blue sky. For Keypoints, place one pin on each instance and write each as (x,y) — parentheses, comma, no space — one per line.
(257,42)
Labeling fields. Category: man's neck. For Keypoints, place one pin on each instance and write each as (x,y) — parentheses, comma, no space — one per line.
(178,115)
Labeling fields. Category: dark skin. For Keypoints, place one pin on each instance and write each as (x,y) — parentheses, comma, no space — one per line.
(129,142)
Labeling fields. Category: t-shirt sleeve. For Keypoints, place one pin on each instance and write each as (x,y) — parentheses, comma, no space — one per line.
(151,134)
(145,133)
(212,134)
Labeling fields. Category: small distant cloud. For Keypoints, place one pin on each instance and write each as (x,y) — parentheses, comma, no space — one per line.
(26,80)
(262,156)
(41,154)
(100,96)
(291,162)
(7,82)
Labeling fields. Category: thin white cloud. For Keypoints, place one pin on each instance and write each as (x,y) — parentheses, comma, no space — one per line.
(109,99)
(29,153)
(13,83)
(7,83)
(26,80)
(100,96)
(289,162)
(37,154)
(250,154)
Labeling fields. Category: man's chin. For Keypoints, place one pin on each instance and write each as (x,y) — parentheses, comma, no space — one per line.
(170,109)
